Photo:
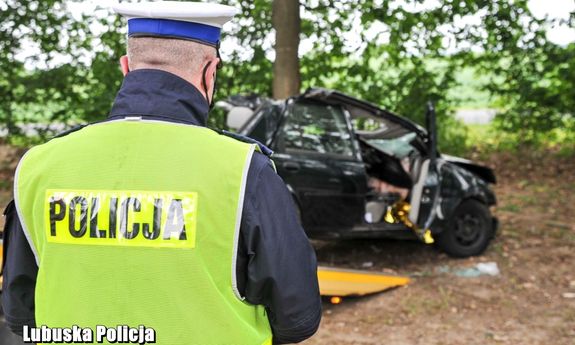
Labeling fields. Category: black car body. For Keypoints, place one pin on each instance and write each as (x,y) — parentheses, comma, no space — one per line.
(326,162)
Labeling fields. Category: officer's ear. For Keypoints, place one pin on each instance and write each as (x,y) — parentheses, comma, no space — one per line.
(124,65)
(213,67)
(210,75)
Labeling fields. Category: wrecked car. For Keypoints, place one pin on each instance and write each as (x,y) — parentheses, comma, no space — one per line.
(358,171)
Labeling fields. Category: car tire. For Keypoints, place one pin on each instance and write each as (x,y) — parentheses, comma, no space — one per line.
(468,232)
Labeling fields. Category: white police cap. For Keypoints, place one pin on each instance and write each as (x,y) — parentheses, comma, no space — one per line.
(196,21)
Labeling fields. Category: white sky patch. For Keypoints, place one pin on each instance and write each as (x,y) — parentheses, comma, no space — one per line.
(232,45)
(473,21)
(418,7)
(98,9)
(552,8)
(306,44)
(556,9)
(353,37)
(378,32)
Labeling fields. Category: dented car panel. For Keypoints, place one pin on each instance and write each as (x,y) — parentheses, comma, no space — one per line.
(458,183)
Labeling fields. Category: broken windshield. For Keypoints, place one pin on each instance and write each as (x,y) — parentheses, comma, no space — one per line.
(399,147)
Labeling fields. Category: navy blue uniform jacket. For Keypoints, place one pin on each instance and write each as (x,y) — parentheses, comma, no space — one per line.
(276,265)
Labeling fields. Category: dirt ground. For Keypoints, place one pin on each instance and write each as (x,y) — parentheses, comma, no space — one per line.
(529,302)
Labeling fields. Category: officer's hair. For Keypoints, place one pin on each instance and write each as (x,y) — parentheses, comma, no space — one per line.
(168,54)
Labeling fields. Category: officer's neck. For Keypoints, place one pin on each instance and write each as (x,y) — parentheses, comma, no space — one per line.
(189,76)
(160,95)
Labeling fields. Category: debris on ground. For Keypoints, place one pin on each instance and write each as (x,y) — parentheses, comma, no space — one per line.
(367,264)
(484,268)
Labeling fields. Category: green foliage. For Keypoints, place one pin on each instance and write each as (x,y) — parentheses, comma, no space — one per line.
(398,59)
(469,91)
(487,138)
(60,92)
(252,74)
(22,23)
(103,78)
(523,74)
(546,96)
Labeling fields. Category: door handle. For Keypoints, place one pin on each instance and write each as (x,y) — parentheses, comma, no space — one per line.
(291,166)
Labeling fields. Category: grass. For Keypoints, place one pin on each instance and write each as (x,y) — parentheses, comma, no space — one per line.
(530,199)
(488,138)
(5,184)
(561,234)
(439,302)
(510,208)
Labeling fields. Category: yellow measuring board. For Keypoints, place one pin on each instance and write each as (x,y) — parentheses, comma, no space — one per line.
(343,282)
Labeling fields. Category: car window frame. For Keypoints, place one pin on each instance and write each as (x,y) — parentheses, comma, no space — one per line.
(280,148)
(418,143)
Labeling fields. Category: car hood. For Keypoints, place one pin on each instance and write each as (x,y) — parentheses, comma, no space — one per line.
(482,171)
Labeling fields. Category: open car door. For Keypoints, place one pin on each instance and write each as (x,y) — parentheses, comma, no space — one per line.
(425,193)
(315,154)
(412,147)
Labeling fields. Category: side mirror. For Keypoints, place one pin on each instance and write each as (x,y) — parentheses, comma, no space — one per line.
(238,117)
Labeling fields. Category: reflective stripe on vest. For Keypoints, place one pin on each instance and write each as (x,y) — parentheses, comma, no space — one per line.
(137,223)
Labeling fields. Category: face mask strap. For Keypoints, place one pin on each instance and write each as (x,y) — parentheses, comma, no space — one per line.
(204,83)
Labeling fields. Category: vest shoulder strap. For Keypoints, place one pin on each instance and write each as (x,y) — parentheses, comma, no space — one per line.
(69,131)
(263,148)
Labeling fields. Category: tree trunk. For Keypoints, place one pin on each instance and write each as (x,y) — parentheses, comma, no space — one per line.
(286,22)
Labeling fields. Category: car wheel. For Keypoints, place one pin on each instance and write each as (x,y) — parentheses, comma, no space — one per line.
(469,230)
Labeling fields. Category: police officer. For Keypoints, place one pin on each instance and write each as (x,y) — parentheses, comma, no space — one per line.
(149,218)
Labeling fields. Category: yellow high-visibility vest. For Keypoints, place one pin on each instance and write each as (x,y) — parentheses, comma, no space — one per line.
(136,222)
